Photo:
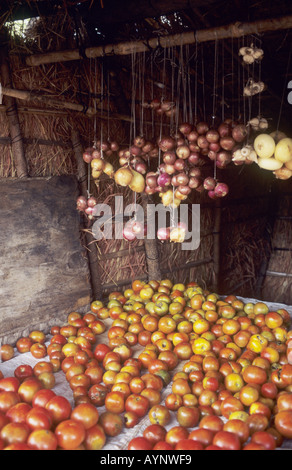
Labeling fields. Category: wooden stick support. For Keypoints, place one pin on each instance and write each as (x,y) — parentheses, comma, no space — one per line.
(151,249)
(13,120)
(91,246)
(235,30)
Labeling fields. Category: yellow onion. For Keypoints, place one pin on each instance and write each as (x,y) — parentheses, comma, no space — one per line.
(269,164)
(97,164)
(177,234)
(96,173)
(123,176)
(137,183)
(109,169)
(283,151)
(264,146)
(283,173)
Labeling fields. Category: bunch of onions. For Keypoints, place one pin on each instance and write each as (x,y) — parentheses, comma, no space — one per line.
(133,229)
(86,205)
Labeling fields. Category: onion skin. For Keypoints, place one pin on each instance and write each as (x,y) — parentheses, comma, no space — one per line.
(123,176)
(163,233)
(81,203)
(221,190)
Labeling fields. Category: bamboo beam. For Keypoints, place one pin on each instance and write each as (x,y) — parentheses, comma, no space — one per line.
(13,120)
(234,30)
(31,96)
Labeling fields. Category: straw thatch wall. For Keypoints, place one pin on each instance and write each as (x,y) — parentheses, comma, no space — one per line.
(237,248)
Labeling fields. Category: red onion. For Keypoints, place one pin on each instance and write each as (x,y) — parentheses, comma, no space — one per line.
(183,152)
(169,169)
(182,178)
(202,128)
(135,150)
(141,167)
(184,189)
(212,155)
(214,146)
(224,130)
(166,143)
(149,190)
(212,194)
(137,227)
(114,146)
(193,136)
(169,157)
(221,189)
(194,158)
(223,159)
(89,212)
(128,233)
(227,143)
(212,136)
(203,142)
(180,164)
(151,179)
(185,128)
(195,172)
(194,182)
(164,180)
(139,141)
(209,183)
(81,203)
(239,133)
(148,147)
(87,155)
(163,233)
(92,201)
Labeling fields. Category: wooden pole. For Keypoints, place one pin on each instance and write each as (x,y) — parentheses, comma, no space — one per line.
(151,248)
(217,243)
(235,30)
(12,116)
(93,258)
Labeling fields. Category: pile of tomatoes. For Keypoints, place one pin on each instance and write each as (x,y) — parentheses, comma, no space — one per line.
(217,367)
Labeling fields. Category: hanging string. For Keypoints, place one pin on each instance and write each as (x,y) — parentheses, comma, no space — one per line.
(196,84)
(284,88)
(133,107)
(215,81)
(203,78)
(223,82)
(101,93)
(142,90)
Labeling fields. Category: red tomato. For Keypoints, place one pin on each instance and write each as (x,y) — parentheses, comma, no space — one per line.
(162,445)
(95,438)
(3,420)
(238,427)
(139,443)
(227,440)
(264,439)
(60,408)
(176,434)
(23,372)
(212,422)
(188,444)
(138,404)
(112,423)
(14,433)
(204,436)
(101,351)
(18,412)
(42,397)
(97,394)
(9,384)
(283,423)
(7,400)
(42,439)
(86,414)
(154,433)
(6,352)
(28,389)
(70,434)
(115,402)
(39,418)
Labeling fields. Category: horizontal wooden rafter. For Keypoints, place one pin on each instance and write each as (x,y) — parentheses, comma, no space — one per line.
(235,30)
